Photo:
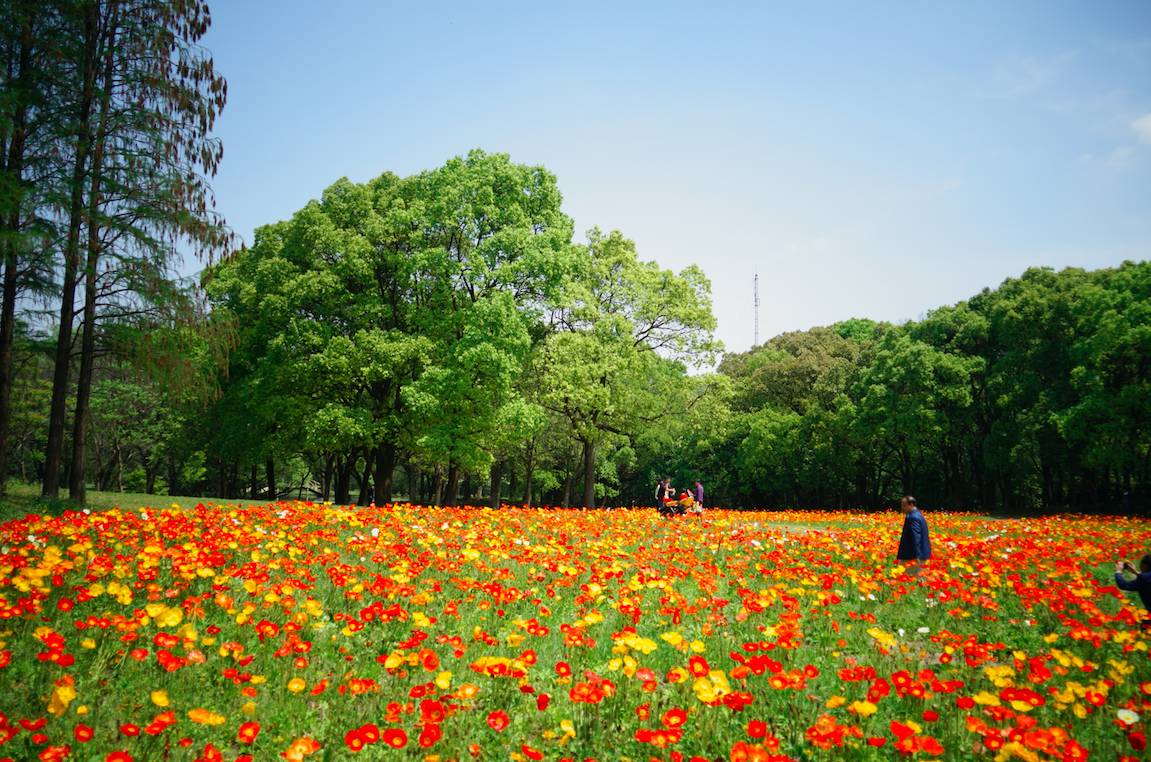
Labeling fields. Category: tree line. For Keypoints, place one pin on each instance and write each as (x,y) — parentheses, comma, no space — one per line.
(1032,396)
(106,148)
(442,337)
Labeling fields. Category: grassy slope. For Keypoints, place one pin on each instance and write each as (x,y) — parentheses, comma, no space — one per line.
(23,499)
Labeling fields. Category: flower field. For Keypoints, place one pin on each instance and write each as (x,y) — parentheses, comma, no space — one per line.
(308,631)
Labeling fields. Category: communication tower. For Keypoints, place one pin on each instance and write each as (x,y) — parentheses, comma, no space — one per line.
(755,343)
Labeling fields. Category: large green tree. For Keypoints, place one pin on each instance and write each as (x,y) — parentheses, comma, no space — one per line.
(615,363)
(394,318)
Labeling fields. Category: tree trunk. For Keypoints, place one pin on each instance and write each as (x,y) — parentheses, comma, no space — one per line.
(453,487)
(270,478)
(303,481)
(77,476)
(497,477)
(233,481)
(328,473)
(385,468)
(366,480)
(413,483)
(438,487)
(529,475)
(254,482)
(170,466)
(57,409)
(344,479)
(588,473)
(14,167)
(907,478)
(7,338)
(568,489)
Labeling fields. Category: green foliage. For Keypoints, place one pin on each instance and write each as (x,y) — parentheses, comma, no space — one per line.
(1034,395)
(396,313)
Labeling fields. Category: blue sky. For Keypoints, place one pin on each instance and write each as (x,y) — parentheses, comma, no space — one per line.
(867,159)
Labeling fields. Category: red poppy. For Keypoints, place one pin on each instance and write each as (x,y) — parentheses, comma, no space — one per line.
(498,720)
(248,732)
(429,735)
(673,718)
(355,740)
(395,737)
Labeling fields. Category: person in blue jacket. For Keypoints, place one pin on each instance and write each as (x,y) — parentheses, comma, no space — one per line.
(914,543)
(1141,584)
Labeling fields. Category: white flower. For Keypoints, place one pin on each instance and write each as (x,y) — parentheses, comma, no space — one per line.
(901,632)
(1127,717)
(923,630)
(871,596)
(375,531)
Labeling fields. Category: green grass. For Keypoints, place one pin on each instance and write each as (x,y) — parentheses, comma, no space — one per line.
(23,499)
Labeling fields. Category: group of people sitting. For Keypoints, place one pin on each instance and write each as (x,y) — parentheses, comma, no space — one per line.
(689,501)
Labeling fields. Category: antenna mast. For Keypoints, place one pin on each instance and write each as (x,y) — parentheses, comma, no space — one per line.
(756,301)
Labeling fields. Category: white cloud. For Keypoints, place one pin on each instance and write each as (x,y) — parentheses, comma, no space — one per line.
(1121,158)
(1142,128)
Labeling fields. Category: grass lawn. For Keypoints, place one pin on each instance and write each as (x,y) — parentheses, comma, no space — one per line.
(23,499)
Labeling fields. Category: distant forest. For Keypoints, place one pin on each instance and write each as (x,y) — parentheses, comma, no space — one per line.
(1032,396)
